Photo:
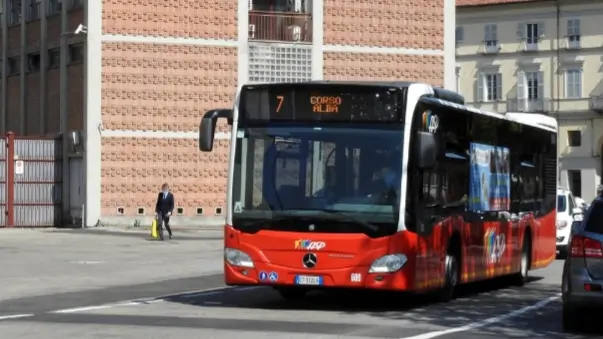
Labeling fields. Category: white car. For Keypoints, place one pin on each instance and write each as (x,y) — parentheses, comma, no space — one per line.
(581,203)
(567,207)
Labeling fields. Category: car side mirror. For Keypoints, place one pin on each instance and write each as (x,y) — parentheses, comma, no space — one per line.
(207,127)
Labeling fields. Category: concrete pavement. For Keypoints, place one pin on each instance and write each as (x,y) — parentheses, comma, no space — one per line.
(123,286)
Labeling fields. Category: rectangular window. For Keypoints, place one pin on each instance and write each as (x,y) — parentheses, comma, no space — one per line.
(573,83)
(54,7)
(76,53)
(574,177)
(13,65)
(460,34)
(33,62)
(491,35)
(489,87)
(574,138)
(573,33)
(532,33)
(34,9)
(533,85)
(14,12)
(54,58)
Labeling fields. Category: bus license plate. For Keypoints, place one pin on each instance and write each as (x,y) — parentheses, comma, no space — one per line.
(308,280)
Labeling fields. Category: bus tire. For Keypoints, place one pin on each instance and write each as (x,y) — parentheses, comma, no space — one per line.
(522,277)
(451,271)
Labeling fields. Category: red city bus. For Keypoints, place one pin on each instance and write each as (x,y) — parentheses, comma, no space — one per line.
(387,186)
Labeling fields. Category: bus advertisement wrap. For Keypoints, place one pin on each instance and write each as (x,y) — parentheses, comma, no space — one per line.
(490,183)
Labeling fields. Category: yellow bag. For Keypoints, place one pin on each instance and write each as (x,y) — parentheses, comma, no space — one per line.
(154,233)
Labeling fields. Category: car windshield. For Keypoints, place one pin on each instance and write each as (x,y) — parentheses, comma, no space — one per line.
(561,203)
(307,171)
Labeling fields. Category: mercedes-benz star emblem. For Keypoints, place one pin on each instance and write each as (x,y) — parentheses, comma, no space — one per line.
(311,227)
(309,260)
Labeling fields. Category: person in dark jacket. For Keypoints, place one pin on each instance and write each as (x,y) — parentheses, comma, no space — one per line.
(163,209)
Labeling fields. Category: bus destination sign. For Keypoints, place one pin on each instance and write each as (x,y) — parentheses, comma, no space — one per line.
(325,102)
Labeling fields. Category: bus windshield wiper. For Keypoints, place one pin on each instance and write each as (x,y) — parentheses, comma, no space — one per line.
(337,214)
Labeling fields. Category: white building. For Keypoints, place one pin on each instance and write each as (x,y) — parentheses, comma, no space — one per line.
(539,56)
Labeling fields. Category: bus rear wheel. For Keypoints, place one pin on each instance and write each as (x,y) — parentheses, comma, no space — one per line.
(523,276)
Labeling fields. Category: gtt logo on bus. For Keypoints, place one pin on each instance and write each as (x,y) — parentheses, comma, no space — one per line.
(309,245)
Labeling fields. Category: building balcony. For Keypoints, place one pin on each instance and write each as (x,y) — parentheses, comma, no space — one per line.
(280,26)
(539,105)
(596,103)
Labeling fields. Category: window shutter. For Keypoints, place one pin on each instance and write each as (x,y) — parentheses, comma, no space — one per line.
(541,29)
(480,87)
(570,27)
(521,31)
(577,27)
(486,32)
(499,86)
(493,32)
(540,85)
(249,5)
(521,85)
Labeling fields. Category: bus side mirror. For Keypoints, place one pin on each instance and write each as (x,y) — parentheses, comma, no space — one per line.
(427,150)
(207,127)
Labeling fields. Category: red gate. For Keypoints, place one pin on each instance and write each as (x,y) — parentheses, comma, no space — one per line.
(31,192)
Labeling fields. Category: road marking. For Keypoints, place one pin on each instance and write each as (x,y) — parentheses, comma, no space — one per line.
(15,316)
(153,300)
(488,321)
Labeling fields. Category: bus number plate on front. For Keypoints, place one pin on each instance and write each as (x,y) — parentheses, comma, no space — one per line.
(308,280)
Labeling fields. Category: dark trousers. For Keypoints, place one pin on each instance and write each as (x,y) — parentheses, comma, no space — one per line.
(163,220)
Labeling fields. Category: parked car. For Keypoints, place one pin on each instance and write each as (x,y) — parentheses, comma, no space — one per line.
(582,278)
(566,208)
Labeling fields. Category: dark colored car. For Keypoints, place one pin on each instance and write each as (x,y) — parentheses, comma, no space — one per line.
(582,279)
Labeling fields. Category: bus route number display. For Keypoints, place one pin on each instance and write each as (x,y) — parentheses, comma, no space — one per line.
(291,103)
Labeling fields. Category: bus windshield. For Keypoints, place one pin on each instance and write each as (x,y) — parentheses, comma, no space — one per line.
(305,171)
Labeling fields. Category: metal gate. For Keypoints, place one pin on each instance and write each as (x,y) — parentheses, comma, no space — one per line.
(3,209)
(33,189)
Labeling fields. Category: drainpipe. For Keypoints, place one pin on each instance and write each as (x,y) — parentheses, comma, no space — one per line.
(558,56)
(5,14)
(24,61)
(43,65)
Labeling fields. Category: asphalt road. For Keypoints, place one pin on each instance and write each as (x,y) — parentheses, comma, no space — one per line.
(126,287)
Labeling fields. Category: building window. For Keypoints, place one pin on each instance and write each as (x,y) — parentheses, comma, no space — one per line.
(76,53)
(532,34)
(14,17)
(271,63)
(460,34)
(573,33)
(34,9)
(573,83)
(33,62)
(54,58)
(574,138)
(491,38)
(574,178)
(489,87)
(530,85)
(54,7)
(12,66)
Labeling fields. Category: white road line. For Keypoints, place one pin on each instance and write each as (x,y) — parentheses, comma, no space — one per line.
(153,300)
(488,321)
(15,316)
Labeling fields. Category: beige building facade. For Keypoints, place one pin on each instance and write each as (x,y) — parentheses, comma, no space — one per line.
(151,69)
(541,57)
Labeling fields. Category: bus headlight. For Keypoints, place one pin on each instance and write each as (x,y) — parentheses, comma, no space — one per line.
(237,258)
(388,264)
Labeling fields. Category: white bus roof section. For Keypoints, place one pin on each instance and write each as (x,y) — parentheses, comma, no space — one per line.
(535,120)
